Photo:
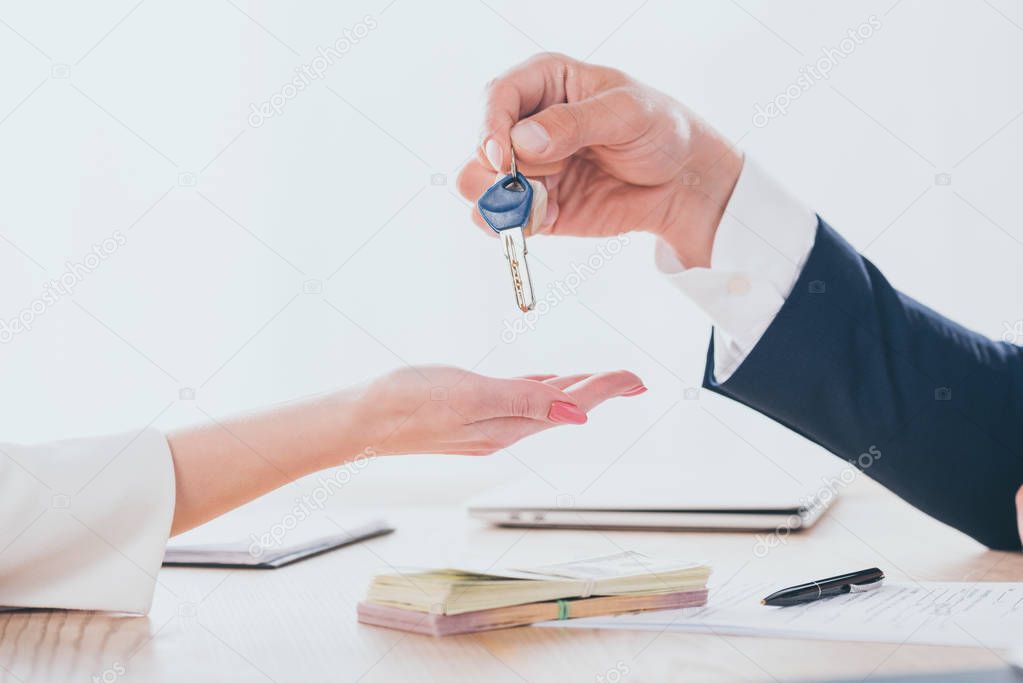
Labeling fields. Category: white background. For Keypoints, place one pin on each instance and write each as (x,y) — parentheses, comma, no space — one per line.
(208,291)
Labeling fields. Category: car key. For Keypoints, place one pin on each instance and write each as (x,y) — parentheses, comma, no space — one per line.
(506,208)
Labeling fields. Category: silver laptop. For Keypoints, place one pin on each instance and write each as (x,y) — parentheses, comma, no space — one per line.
(656,498)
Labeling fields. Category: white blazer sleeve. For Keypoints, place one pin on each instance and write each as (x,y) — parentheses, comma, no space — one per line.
(84,523)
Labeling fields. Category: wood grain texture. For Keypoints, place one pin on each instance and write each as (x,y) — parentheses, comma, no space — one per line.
(298,623)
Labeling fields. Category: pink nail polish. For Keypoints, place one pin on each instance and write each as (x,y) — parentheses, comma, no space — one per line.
(566,413)
(636,391)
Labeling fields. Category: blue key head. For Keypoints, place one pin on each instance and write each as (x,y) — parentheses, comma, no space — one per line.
(507,203)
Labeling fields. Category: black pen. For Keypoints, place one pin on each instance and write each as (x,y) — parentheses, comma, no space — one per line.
(865,579)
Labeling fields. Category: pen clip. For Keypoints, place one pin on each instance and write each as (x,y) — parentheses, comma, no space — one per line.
(864,587)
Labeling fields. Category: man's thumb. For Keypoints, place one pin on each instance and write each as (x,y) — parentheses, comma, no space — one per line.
(559,131)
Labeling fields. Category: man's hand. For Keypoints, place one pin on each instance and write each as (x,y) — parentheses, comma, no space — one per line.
(614,154)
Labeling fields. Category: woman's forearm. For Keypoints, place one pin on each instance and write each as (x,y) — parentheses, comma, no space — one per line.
(428,409)
(227,463)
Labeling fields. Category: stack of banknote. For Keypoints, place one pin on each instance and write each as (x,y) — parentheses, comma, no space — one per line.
(463,600)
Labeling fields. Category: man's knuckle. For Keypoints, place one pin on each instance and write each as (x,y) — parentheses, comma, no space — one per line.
(550,56)
(613,76)
(497,87)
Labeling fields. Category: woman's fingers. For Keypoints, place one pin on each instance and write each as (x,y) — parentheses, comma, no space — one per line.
(558,381)
(495,398)
(587,390)
(593,391)
(566,381)
(546,401)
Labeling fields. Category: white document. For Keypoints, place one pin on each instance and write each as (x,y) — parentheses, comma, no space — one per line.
(936,613)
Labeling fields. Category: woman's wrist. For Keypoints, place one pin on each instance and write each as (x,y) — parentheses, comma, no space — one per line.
(226,463)
(335,429)
(702,192)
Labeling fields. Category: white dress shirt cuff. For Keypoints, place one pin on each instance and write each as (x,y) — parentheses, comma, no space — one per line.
(760,248)
(84,523)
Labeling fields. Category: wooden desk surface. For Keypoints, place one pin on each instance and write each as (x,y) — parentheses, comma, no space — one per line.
(298,623)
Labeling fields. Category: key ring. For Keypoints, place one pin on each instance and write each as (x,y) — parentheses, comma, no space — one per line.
(514,166)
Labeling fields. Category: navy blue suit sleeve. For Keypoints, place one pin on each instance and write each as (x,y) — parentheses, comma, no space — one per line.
(854,365)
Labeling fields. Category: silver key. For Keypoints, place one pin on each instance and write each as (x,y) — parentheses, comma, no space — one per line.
(514,240)
(506,208)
